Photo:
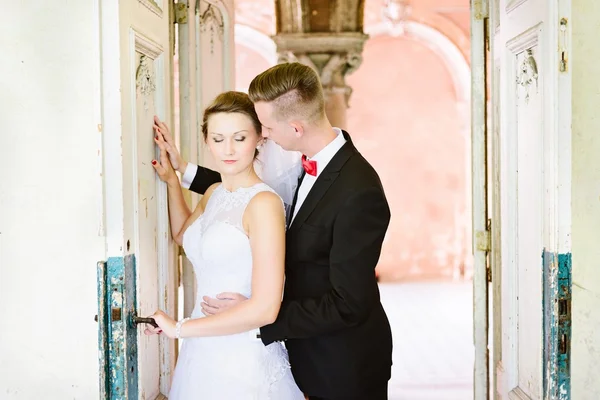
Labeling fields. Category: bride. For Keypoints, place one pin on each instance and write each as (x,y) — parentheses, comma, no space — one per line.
(235,239)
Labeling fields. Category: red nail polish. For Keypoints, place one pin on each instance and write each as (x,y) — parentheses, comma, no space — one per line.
(153,162)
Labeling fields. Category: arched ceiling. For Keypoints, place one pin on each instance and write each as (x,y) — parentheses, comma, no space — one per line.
(257,14)
(297,17)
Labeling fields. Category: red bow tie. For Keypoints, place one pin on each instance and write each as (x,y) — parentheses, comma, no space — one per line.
(310,166)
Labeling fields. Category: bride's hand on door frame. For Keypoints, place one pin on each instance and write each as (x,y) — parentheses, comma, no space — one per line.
(165,170)
(163,138)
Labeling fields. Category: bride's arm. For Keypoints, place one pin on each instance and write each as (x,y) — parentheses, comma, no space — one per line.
(180,216)
(265,221)
(178,237)
(179,212)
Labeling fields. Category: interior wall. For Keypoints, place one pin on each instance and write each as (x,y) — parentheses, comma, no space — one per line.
(248,64)
(585,73)
(50,200)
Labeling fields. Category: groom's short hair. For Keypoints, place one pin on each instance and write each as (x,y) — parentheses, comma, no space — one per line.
(294,89)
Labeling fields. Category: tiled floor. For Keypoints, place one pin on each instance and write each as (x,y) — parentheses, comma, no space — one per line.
(433,350)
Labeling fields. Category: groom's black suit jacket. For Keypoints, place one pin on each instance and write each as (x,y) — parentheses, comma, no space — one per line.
(331,319)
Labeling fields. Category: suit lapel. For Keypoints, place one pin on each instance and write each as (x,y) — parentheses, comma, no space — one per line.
(323,182)
(295,199)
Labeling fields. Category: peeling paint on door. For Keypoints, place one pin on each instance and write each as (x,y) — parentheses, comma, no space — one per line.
(102,319)
(117,335)
(557,325)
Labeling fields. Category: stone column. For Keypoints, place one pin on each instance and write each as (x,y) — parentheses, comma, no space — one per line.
(332,56)
(336,104)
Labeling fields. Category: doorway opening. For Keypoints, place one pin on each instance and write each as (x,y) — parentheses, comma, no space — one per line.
(417,136)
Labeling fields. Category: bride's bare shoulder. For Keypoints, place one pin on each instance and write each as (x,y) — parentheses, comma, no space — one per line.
(265,205)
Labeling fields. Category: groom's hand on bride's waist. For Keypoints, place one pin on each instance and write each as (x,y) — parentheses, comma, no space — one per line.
(223,301)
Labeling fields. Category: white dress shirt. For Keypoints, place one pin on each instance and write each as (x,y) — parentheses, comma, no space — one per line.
(188,175)
(322,158)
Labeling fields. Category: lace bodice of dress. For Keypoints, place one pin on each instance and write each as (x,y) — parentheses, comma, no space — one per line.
(218,246)
(234,366)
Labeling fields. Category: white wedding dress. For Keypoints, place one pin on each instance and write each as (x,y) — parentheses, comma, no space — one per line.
(233,367)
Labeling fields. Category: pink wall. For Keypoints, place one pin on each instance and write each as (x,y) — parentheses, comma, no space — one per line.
(248,64)
(403,118)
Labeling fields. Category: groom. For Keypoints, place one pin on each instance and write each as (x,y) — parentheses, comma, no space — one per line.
(331,318)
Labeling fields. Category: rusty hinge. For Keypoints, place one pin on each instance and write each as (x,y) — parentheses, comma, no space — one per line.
(483,240)
(488,259)
(487,36)
(563,56)
(180,11)
(480,8)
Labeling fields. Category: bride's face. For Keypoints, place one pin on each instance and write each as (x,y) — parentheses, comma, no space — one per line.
(232,140)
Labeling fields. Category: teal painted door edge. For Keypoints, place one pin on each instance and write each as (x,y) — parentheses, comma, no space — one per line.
(117,335)
(557,325)
(102,319)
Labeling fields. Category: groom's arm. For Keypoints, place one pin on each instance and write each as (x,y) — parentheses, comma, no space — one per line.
(358,235)
(199,179)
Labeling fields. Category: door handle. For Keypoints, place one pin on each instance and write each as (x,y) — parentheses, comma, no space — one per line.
(142,320)
(138,320)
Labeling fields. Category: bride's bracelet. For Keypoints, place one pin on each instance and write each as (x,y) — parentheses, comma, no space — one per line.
(178,328)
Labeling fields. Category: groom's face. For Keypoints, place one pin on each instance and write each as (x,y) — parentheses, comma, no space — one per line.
(280,132)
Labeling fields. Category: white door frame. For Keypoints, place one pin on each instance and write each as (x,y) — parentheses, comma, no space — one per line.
(481,235)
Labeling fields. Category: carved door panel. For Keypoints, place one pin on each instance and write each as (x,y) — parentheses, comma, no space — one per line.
(527,212)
